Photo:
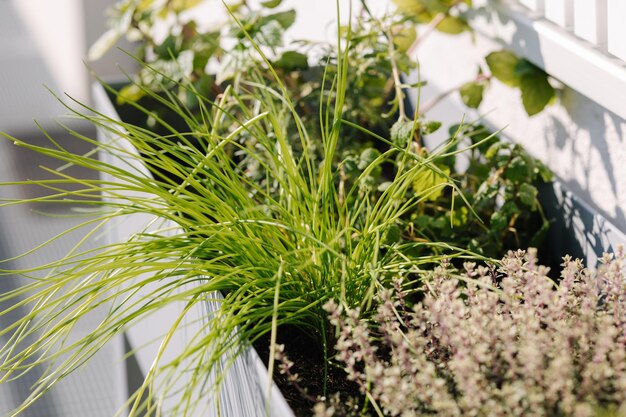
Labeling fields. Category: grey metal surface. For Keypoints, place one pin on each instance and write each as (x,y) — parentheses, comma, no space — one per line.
(95,389)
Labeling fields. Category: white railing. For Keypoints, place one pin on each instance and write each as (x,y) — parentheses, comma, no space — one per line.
(582,43)
(600,22)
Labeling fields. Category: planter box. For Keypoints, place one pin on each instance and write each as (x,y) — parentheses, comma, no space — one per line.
(244,389)
(577,230)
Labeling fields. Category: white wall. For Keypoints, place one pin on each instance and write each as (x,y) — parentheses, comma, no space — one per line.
(63,30)
(56,28)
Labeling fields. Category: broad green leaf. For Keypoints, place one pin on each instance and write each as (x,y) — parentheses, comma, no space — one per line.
(205,45)
(493,150)
(536,92)
(472,94)
(517,169)
(285,19)
(409,7)
(502,65)
(367,157)
(528,194)
(404,38)
(401,132)
(270,4)
(429,126)
(453,25)
(167,49)
(498,221)
(437,6)
(270,34)
(429,183)
(543,171)
(292,61)
(129,94)
(525,67)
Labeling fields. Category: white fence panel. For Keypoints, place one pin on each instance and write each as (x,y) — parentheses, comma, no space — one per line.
(560,12)
(590,20)
(616,25)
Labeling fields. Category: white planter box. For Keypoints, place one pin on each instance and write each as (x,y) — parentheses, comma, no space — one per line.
(560,12)
(244,389)
(616,26)
(590,17)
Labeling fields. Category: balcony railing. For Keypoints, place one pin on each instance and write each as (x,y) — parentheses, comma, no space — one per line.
(582,43)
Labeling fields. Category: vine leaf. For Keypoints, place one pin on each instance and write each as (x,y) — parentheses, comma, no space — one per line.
(536,89)
(472,94)
(292,61)
(502,65)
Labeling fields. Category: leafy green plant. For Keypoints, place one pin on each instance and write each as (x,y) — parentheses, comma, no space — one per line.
(276,249)
(500,181)
(380,51)
(278,185)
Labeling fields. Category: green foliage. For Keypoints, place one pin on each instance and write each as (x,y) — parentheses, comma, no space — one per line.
(472,93)
(278,184)
(500,184)
(502,65)
(277,246)
(532,81)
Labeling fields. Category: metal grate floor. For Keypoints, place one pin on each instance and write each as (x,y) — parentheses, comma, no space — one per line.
(96,389)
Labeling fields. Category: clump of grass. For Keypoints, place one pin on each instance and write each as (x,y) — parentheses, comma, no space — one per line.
(276,249)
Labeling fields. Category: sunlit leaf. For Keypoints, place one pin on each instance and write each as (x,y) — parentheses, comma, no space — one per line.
(285,19)
(409,6)
(472,94)
(404,38)
(528,194)
(502,65)
(130,93)
(536,90)
(453,25)
(429,183)
(270,4)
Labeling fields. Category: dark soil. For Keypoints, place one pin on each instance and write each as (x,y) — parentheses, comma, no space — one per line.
(308,358)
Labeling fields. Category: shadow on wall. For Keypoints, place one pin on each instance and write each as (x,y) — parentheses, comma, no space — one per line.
(577,229)
(584,142)
(604,130)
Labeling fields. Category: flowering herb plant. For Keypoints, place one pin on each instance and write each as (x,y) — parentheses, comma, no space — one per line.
(492,341)
(277,188)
